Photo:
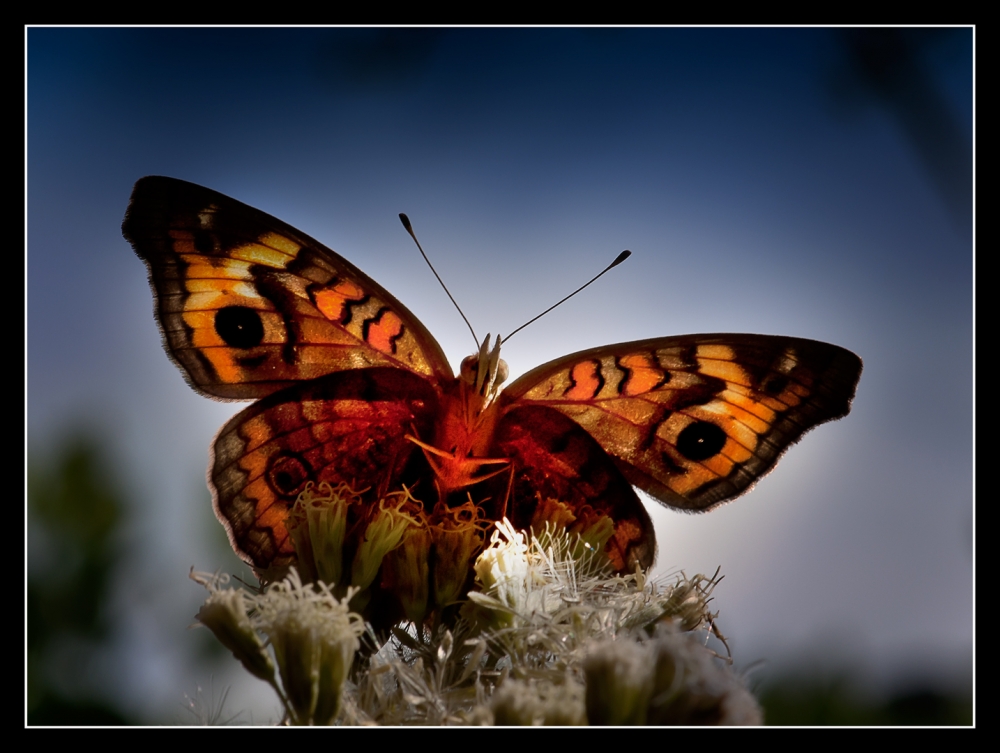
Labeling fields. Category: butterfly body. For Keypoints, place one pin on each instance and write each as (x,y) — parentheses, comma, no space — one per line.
(351,388)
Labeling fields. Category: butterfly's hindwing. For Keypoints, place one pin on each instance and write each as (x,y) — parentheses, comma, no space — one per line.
(695,420)
(349,427)
(556,463)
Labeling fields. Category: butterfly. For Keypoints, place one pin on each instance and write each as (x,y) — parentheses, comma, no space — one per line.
(351,388)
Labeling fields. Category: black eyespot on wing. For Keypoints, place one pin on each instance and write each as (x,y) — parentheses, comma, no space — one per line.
(239,326)
(701,440)
(287,475)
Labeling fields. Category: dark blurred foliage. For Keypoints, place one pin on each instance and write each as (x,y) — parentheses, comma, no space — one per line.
(822,701)
(888,67)
(75,512)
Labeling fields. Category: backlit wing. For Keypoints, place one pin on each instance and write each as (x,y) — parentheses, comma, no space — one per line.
(349,427)
(249,305)
(695,420)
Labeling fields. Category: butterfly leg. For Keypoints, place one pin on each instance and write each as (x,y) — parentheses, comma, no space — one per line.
(453,472)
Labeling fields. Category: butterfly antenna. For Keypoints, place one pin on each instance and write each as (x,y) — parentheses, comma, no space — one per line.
(618,260)
(409,228)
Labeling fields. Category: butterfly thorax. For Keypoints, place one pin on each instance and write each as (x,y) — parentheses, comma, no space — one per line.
(459,453)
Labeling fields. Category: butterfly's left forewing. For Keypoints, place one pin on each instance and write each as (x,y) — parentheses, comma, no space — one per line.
(695,420)
(249,305)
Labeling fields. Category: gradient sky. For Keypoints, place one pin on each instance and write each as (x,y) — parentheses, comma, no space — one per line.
(806,182)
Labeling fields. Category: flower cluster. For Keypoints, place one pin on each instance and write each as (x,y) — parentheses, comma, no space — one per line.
(383,550)
(550,634)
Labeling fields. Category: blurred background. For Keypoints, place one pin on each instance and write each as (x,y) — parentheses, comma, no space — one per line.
(806,182)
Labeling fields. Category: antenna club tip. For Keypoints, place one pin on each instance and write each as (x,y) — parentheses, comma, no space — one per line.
(620,258)
(406,222)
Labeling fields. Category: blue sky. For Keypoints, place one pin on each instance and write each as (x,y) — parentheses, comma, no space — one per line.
(803,182)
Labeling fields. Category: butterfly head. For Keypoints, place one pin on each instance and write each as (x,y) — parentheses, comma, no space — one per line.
(485,371)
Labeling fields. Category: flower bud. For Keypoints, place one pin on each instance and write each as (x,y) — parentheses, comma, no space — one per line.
(317,524)
(521,702)
(383,534)
(458,536)
(225,614)
(406,569)
(314,637)
(619,677)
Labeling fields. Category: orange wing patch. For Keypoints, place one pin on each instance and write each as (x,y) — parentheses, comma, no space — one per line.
(642,374)
(332,301)
(586,381)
